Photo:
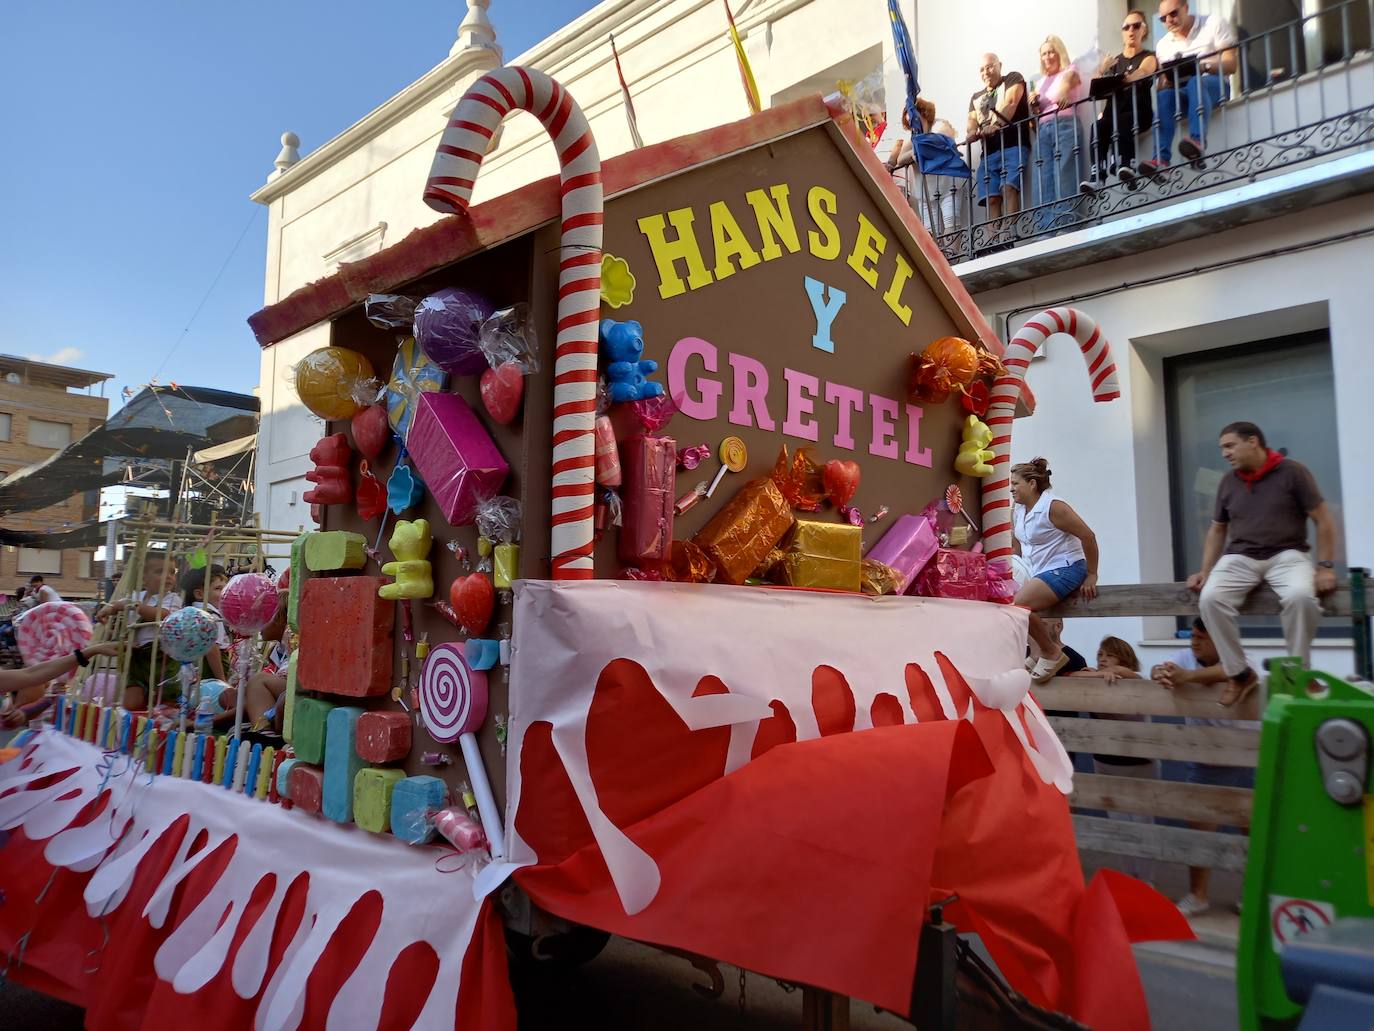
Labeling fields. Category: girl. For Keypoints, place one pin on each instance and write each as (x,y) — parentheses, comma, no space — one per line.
(1060,552)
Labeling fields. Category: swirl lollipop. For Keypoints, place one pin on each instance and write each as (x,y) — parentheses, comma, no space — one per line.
(51,630)
(453,703)
(187,635)
(249,603)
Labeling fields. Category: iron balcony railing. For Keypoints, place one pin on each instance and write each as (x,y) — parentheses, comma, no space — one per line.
(1298,93)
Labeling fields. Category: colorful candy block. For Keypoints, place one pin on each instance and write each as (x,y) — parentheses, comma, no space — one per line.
(384,737)
(341,762)
(307,786)
(372,793)
(455,455)
(284,778)
(297,582)
(288,721)
(265,770)
(311,717)
(345,637)
(412,802)
(326,551)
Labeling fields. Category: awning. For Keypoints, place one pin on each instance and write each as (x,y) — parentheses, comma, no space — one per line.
(230,450)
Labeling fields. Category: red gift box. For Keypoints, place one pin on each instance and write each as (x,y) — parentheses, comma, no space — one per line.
(955,574)
(649,474)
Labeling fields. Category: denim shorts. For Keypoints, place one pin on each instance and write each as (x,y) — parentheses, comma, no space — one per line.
(1001,166)
(1066,579)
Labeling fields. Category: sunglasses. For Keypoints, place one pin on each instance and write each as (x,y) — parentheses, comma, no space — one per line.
(1132,26)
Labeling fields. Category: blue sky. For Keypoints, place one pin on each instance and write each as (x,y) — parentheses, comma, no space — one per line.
(135,133)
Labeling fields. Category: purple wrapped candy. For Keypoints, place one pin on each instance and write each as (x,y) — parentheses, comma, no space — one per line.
(448,325)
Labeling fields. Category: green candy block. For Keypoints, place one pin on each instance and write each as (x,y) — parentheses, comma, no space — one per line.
(372,790)
(312,716)
(288,720)
(326,551)
(293,595)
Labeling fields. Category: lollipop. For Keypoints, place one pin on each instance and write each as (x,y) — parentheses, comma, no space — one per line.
(51,630)
(954,501)
(333,382)
(187,634)
(459,829)
(411,374)
(249,602)
(453,704)
(447,327)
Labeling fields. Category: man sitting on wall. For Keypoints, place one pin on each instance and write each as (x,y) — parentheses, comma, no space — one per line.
(1193,56)
(1259,535)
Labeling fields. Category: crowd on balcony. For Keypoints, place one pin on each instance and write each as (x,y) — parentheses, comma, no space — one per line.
(1040,144)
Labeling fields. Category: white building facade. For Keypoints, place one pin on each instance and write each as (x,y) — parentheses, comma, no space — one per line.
(1231,291)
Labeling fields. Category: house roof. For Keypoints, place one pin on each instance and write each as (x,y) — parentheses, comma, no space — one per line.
(50,374)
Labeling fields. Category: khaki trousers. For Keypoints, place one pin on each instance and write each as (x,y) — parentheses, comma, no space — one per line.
(1290,573)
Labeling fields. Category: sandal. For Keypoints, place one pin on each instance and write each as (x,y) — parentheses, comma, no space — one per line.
(1239,688)
(1045,669)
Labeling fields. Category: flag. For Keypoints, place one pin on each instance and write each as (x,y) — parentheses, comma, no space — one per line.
(901,42)
(746,74)
(625,95)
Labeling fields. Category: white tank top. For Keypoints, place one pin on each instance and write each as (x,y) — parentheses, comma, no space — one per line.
(1043,545)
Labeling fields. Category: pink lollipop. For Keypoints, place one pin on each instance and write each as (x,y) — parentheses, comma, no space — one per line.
(954,501)
(51,630)
(249,602)
(453,704)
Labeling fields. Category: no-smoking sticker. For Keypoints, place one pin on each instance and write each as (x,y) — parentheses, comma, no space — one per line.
(1291,918)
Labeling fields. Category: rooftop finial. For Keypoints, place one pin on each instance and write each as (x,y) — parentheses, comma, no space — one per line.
(289,154)
(476,29)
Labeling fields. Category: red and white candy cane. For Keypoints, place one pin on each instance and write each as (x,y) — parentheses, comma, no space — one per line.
(461,148)
(1007,389)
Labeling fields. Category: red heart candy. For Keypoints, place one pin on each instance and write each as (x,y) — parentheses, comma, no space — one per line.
(371,430)
(502,390)
(841,479)
(371,493)
(472,598)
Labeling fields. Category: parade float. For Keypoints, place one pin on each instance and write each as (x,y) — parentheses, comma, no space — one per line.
(651,594)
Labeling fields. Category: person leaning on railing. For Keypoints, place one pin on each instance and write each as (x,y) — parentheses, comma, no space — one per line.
(935,197)
(1195,54)
(1056,134)
(999,117)
(1129,110)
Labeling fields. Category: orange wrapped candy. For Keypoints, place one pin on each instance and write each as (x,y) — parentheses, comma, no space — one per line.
(800,480)
(946,365)
(688,564)
(740,536)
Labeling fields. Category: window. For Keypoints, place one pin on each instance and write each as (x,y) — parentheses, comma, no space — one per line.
(40,560)
(83,568)
(43,433)
(4,425)
(1286,387)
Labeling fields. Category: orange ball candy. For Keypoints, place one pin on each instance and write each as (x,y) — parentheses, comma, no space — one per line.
(946,365)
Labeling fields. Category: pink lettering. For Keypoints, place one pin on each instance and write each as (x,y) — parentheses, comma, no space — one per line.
(915,454)
(848,402)
(884,440)
(801,404)
(704,405)
(750,407)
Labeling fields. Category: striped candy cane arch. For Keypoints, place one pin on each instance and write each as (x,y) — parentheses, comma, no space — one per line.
(461,148)
(1007,389)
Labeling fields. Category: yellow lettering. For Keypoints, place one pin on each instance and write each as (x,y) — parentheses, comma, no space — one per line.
(668,252)
(893,297)
(730,242)
(867,246)
(775,220)
(820,204)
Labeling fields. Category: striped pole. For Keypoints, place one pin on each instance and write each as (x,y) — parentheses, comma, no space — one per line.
(1097,353)
(461,149)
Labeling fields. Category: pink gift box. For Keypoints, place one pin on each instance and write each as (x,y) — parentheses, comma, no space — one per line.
(955,574)
(649,475)
(455,455)
(906,547)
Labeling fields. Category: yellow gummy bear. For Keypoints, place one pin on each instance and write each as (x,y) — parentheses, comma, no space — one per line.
(975,457)
(410,543)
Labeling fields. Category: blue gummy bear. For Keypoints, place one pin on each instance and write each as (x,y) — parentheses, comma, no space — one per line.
(404,489)
(622,344)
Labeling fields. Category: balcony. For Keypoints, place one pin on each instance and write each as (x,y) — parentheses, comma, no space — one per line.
(1293,127)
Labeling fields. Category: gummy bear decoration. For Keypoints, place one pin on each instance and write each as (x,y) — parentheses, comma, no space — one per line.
(622,344)
(404,489)
(975,453)
(414,578)
(333,486)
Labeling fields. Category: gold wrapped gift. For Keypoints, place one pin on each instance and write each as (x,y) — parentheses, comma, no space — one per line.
(823,555)
(740,536)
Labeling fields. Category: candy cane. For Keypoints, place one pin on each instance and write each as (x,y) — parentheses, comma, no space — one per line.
(1005,391)
(460,153)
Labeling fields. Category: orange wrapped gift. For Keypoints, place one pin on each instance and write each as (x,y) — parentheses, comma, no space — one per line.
(741,534)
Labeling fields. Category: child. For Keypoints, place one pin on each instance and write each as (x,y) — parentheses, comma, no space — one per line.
(149,606)
(195,595)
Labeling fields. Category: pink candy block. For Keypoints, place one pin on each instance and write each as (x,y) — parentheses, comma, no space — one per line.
(383,737)
(455,455)
(346,632)
(649,472)
(307,787)
(907,547)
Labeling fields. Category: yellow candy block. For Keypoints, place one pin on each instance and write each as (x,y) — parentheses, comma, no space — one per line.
(326,551)
(507,566)
(372,790)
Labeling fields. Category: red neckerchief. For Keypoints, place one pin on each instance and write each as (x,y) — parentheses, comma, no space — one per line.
(1271,461)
